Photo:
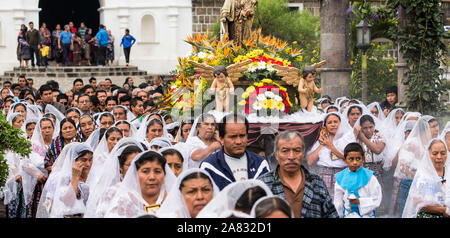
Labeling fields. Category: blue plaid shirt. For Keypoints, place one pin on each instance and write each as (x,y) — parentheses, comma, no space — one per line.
(317,202)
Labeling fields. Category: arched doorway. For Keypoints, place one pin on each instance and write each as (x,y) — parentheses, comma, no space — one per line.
(58,12)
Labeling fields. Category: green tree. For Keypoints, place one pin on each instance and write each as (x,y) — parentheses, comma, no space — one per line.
(11,140)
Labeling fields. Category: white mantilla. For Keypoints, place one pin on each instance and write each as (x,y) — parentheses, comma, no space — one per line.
(159,27)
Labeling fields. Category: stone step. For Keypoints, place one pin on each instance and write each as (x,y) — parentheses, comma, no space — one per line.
(76,69)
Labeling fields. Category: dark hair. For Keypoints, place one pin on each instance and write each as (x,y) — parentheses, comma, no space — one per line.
(20,104)
(143,85)
(110,98)
(126,152)
(354,106)
(83,153)
(248,199)
(331,114)
(392,89)
(63,121)
(220,69)
(106,115)
(332,106)
(92,79)
(83,95)
(154,121)
(326,100)
(100,91)
(86,87)
(309,69)
(125,98)
(353,101)
(151,156)
(195,175)
(134,101)
(173,152)
(24,92)
(353,147)
(18,115)
(72,109)
(231,118)
(385,105)
(149,103)
(270,205)
(78,80)
(29,123)
(44,88)
(53,84)
(111,130)
(365,118)
(62,96)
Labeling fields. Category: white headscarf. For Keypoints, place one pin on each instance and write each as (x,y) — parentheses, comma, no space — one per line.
(37,141)
(226,200)
(58,198)
(390,123)
(445,131)
(94,138)
(411,152)
(174,206)
(363,108)
(180,150)
(161,142)
(102,177)
(33,166)
(13,161)
(130,115)
(52,110)
(142,132)
(381,115)
(127,200)
(13,115)
(99,115)
(427,188)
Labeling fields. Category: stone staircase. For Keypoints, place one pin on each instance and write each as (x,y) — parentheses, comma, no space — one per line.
(65,75)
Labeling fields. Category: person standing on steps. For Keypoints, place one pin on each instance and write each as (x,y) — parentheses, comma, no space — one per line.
(127,41)
(103,39)
(33,38)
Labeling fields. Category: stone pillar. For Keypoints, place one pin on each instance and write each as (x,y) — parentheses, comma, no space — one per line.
(401,63)
(335,74)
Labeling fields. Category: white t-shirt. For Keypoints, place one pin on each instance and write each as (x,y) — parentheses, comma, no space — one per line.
(238,167)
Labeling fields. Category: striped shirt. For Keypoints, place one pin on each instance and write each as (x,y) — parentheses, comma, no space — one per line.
(317,203)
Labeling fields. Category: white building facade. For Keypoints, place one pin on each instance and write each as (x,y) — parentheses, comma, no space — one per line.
(159,26)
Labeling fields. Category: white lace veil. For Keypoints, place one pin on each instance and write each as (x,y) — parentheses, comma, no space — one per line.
(445,131)
(390,124)
(381,115)
(13,115)
(174,206)
(227,198)
(255,206)
(194,130)
(363,108)
(37,141)
(99,115)
(130,115)
(142,131)
(58,198)
(427,188)
(162,142)
(94,139)
(52,110)
(411,152)
(127,200)
(180,150)
(107,175)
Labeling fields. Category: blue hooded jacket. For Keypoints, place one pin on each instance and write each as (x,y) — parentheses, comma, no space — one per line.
(221,173)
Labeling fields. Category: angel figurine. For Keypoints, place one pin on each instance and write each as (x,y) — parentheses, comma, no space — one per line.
(222,79)
(307,88)
(306,85)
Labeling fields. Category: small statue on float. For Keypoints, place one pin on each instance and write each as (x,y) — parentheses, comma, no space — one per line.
(222,79)
(305,85)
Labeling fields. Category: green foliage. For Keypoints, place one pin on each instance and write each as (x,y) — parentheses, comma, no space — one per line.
(11,141)
(302,29)
(381,73)
(423,44)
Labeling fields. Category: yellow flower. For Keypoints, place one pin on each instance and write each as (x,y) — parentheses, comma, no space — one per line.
(242,103)
(312,60)
(250,89)
(351,62)
(314,51)
(268,81)
(280,106)
(283,88)
(389,55)
(300,58)
(390,70)
(245,95)
(295,42)
(258,84)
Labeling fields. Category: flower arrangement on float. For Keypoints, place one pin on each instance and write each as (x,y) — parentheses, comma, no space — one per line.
(264,51)
(267,97)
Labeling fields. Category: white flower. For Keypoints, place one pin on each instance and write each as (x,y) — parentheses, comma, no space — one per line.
(261,97)
(211,56)
(256,106)
(202,55)
(278,98)
(261,65)
(269,94)
(173,86)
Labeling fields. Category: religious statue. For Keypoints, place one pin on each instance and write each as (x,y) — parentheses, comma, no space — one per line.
(222,79)
(236,17)
(305,85)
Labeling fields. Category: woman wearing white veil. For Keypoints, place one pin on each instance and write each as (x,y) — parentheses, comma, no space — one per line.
(17,120)
(151,129)
(66,191)
(143,189)
(376,111)
(445,135)
(325,157)
(143,129)
(105,146)
(174,156)
(51,109)
(118,116)
(392,121)
(429,195)
(103,177)
(193,190)
(409,156)
(128,129)
(238,196)
(203,140)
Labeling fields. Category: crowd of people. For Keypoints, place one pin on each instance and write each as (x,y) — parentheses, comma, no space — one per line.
(69,45)
(102,150)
